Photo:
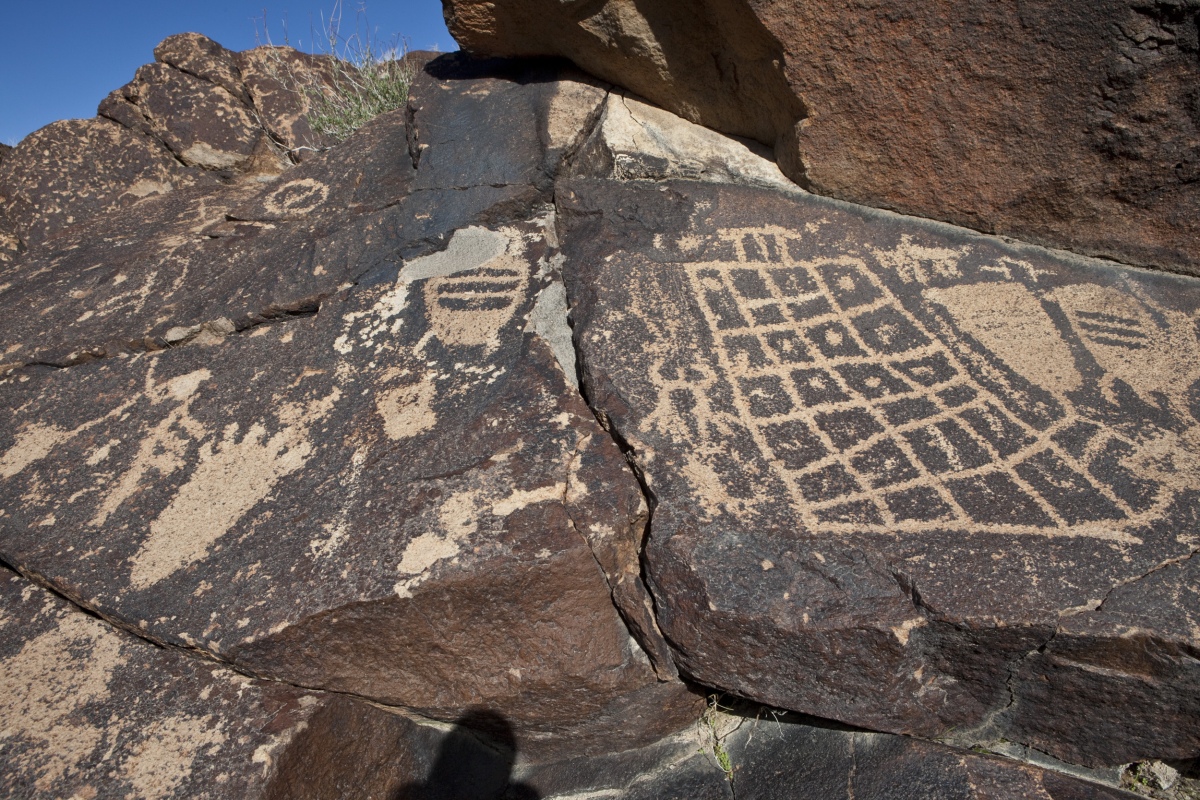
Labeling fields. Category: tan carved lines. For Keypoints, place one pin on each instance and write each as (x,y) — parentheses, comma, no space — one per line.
(916,264)
(670,331)
(1009,320)
(233,473)
(163,447)
(470,308)
(1150,349)
(709,279)
(296,198)
(766,398)
(765,244)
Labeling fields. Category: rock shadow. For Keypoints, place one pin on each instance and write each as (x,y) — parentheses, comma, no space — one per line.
(474,762)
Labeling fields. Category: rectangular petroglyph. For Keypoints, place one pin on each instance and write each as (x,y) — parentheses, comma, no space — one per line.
(914,393)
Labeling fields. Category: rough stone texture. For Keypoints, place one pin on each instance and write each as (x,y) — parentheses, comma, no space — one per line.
(788,758)
(903,470)
(479,522)
(780,756)
(193,108)
(1073,125)
(251,251)
(70,171)
(202,123)
(175,492)
(89,711)
(325,427)
(633,141)
(201,57)
(271,75)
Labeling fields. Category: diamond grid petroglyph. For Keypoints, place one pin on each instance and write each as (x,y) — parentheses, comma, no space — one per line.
(885,410)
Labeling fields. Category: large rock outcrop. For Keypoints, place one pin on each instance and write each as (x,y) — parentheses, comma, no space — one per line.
(907,477)
(539,411)
(1071,125)
(382,327)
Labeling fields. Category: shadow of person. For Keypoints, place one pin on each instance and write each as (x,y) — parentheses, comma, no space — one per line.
(474,762)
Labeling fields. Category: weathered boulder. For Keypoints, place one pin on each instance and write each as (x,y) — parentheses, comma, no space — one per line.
(636,141)
(480,522)
(908,477)
(1076,126)
(70,171)
(272,76)
(201,57)
(90,711)
(202,123)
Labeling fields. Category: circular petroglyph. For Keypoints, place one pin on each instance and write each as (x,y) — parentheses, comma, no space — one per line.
(297,197)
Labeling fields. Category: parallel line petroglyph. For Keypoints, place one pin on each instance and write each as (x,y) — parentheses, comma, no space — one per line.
(861,350)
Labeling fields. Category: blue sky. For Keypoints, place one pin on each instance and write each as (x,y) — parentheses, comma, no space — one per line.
(61,57)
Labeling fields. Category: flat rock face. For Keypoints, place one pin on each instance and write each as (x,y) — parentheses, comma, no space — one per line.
(781,757)
(89,711)
(907,477)
(326,428)
(465,477)
(1073,126)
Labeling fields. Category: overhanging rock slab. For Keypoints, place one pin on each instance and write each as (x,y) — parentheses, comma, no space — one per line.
(908,477)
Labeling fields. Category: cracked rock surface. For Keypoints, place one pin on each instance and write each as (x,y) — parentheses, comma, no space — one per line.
(475,519)
(89,711)
(535,402)
(1074,126)
(900,468)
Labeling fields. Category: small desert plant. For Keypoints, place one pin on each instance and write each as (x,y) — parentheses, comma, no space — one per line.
(367,77)
(711,726)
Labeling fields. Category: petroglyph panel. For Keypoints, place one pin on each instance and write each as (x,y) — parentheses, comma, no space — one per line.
(890,459)
(376,473)
(906,390)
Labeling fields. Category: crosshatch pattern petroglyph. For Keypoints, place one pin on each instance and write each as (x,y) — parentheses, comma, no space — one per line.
(904,392)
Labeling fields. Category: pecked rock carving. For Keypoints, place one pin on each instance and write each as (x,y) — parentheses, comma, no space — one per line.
(897,454)
(529,415)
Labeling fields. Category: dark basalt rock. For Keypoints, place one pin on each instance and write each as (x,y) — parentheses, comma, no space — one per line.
(321,423)
(271,76)
(473,497)
(202,123)
(68,172)
(252,251)
(466,476)
(781,757)
(202,58)
(1071,125)
(90,711)
(908,477)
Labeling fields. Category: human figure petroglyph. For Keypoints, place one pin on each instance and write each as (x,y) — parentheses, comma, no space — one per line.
(963,404)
